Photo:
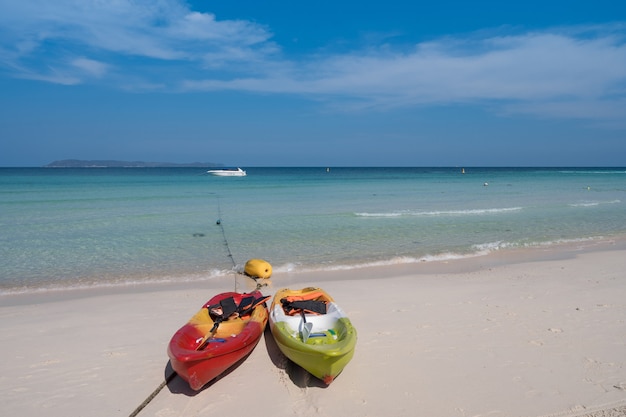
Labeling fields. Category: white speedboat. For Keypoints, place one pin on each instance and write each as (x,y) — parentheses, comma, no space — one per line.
(227,172)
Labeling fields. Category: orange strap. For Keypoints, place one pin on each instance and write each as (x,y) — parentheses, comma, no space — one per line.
(313,295)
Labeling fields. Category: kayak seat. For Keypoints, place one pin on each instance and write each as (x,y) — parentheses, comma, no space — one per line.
(321,322)
(228,308)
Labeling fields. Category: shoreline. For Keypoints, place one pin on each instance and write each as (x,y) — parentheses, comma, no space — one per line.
(473,263)
(515,334)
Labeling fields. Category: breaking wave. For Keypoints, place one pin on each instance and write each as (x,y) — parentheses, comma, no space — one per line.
(436,213)
(594,203)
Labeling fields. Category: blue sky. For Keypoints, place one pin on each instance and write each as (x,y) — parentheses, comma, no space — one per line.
(319,83)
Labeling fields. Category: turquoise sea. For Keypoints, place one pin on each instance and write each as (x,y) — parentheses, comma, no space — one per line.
(63,227)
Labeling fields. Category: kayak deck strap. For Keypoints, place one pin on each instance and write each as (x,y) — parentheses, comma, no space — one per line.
(308,306)
(227,307)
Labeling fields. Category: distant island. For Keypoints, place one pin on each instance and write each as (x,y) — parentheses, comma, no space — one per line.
(78,163)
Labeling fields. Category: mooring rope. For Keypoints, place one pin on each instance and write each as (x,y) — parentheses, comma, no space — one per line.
(154,394)
(173,374)
(228,251)
(219,223)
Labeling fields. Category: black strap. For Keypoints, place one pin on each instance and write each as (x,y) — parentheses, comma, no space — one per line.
(245,304)
(312,306)
(228,306)
(255,302)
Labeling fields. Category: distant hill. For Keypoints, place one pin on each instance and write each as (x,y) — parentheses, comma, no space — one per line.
(77,163)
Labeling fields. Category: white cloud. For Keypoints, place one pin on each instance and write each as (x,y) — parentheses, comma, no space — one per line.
(557,73)
(89,66)
(534,66)
(162,30)
(560,72)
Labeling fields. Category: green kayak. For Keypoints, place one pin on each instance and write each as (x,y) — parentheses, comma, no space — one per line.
(312,331)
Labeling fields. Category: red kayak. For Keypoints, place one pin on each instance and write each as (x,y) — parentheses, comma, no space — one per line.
(223,332)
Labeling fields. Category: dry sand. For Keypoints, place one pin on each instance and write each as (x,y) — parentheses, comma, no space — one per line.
(539,334)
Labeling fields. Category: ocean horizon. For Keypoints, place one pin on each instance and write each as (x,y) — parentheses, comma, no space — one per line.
(87,227)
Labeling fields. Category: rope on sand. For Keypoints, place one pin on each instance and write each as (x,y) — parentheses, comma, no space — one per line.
(173,374)
(154,394)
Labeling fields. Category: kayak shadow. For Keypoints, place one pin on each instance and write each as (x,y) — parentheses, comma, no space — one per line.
(298,375)
(175,383)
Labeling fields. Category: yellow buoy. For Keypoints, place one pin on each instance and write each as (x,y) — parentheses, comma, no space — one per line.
(258,268)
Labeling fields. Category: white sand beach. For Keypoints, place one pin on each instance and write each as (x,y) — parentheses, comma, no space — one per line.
(529,334)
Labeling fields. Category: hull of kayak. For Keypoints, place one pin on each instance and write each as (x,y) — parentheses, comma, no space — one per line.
(322,344)
(199,361)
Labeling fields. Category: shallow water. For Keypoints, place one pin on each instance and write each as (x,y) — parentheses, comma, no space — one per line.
(104,226)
